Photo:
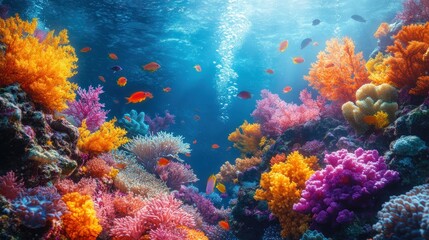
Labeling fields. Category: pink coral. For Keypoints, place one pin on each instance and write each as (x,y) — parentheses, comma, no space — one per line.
(275,115)
(414,11)
(176,174)
(10,186)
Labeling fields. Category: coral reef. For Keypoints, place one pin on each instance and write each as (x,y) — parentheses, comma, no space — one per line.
(246,138)
(176,174)
(159,123)
(42,68)
(414,11)
(134,123)
(338,72)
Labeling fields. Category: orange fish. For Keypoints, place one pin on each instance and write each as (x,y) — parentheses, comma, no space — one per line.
(197,117)
(163,161)
(122,81)
(224,225)
(127,118)
(188,154)
(283,46)
(139,97)
(195,141)
(297,60)
(86,49)
(113,56)
(166,89)
(197,68)
(269,71)
(119,165)
(102,78)
(287,89)
(151,67)
(215,146)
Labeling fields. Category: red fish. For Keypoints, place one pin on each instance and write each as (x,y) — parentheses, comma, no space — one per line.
(122,81)
(283,45)
(139,97)
(163,161)
(188,154)
(287,89)
(211,182)
(244,95)
(269,71)
(102,78)
(166,89)
(195,141)
(297,60)
(224,225)
(151,67)
(85,49)
(127,118)
(113,56)
(197,68)
(215,146)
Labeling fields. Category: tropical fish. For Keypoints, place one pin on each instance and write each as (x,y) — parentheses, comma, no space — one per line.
(127,118)
(122,81)
(85,49)
(102,78)
(221,187)
(195,141)
(244,95)
(163,161)
(116,68)
(297,60)
(211,182)
(269,71)
(224,225)
(215,146)
(166,89)
(287,89)
(139,97)
(305,42)
(197,117)
(315,22)
(113,56)
(151,67)
(197,68)
(188,154)
(283,46)
(358,18)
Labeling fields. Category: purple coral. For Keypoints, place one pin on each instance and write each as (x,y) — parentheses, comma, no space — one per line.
(88,108)
(414,11)
(38,205)
(345,185)
(176,174)
(159,123)
(276,116)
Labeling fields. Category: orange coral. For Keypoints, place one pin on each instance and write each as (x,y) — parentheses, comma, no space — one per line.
(193,234)
(281,187)
(243,164)
(80,223)
(278,158)
(382,30)
(246,138)
(98,168)
(407,65)
(338,72)
(105,139)
(42,68)
(128,205)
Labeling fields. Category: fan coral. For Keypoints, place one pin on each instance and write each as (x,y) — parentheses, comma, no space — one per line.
(338,72)
(42,68)
(281,188)
(405,216)
(333,194)
(10,186)
(407,66)
(414,11)
(158,123)
(371,99)
(176,174)
(148,149)
(38,205)
(88,108)
(107,138)
(276,116)
(246,138)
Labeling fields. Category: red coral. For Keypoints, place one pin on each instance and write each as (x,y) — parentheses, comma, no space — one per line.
(10,186)
(414,11)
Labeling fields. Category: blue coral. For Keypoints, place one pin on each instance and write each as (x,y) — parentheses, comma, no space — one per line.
(134,123)
(38,205)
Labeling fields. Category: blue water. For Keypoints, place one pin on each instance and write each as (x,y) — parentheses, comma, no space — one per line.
(234,41)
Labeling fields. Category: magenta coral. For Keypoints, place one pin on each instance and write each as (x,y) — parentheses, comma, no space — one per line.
(88,107)
(276,116)
(345,185)
(414,11)
(10,186)
(176,174)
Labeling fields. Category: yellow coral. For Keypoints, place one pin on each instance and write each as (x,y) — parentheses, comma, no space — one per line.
(377,69)
(379,119)
(41,67)
(243,164)
(246,138)
(105,139)
(80,223)
(281,187)
(193,234)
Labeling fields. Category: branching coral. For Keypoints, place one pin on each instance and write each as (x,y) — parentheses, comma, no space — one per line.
(42,68)
(81,221)
(377,69)
(228,172)
(281,187)
(407,66)
(10,186)
(107,138)
(414,11)
(246,138)
(338,72)
(382,30)
(176,174)
(372,102)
